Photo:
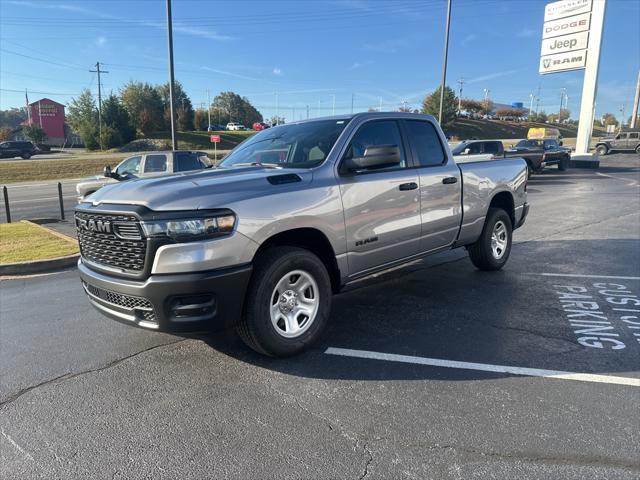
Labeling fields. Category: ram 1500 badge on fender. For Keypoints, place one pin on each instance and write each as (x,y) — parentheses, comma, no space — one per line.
(291,216)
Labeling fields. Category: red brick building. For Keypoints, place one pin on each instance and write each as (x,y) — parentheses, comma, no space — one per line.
(49,116)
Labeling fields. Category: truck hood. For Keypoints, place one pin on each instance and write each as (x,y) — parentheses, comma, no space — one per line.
(211,188)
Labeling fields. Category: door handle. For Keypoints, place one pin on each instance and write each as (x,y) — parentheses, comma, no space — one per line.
(408,186)
(449,180)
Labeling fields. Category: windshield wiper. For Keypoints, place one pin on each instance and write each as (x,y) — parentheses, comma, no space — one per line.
(256,164)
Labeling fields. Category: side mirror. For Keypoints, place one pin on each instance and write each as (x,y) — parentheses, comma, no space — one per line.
(107,171)
(376,156)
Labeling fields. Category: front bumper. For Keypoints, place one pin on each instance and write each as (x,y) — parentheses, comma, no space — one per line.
(182,302)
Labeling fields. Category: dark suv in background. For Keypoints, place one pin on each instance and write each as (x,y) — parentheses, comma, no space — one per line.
(622,142)
(17,149)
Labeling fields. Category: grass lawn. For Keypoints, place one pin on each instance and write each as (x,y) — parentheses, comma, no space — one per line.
(201,140)
(22,242)
(25,170)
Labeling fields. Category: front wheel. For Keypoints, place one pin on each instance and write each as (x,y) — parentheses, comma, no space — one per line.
(602,150)
(563,164)
(492,249)
(287,304)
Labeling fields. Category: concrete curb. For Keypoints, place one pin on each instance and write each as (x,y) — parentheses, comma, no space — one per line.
(42,266)
(39,266)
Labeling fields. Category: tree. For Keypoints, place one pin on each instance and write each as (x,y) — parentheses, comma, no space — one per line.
(144,106)
(82,115)
(200,119)
(231,107)
(609,119)
(538,117)
(431,105)
(13,117)
(34,133)
(372,109)
(275,120)
(182,104)
(487,107)
(472,106)
(510,113)
(116,124)
(405,109)
(564,114)
(5,133)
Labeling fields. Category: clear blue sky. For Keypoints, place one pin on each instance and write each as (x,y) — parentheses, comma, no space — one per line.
(307,51)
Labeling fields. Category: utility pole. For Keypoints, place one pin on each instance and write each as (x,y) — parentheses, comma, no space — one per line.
(277,111)
(99,72)
(530,105)
(461,83)
(636,101)
(209,110)
(621,116)
(174,140)
(444,62)
(563,92)
(333,108)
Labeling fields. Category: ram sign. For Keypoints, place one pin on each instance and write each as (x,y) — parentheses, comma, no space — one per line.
(565,36)
(563,61)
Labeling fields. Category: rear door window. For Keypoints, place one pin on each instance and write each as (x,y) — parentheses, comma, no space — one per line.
(186,161)
(492,147)
(634,136)
(155,163)
(425,143)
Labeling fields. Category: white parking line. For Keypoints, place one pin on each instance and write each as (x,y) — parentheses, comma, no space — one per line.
(578,275)
(485,367)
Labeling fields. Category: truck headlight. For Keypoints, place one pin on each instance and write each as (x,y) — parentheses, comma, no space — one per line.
(190,228)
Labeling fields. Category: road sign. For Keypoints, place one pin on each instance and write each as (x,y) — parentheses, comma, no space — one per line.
(562,62)
(566,26)
(565,43)
(566,8)
(215,138)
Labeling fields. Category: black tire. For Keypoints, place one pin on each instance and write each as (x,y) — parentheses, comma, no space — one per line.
(26,155)
(638,149)
(563,164)
(602,150)
(529,171)
(255,327)
(481,253)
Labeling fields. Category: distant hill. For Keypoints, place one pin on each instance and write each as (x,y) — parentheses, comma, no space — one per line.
(465,128)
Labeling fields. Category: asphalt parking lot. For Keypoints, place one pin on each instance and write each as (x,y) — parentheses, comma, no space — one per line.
(436,371)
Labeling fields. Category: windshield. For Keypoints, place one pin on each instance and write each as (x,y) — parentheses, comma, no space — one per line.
(301,145)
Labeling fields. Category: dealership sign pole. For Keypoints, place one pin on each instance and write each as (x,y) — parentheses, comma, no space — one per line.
(571,39)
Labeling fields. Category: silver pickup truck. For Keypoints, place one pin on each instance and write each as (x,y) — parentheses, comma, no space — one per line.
(292,215)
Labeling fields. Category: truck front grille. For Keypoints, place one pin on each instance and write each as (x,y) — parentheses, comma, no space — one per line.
(111,240)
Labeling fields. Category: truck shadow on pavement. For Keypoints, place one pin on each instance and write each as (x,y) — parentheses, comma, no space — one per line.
(452,311)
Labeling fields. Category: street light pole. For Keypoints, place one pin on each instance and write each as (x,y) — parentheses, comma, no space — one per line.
(174,140)
(444,62)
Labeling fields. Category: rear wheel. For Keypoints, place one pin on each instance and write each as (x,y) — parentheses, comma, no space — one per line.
(602,150)
(288,302)
(26,155)
(638,149)
(492,249)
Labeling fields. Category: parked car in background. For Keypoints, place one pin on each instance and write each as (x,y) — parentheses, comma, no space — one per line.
(262,245)
(540,153)
(145,165)
(235,126)
(216,127)
(622,142)
(258,126)
(17,149)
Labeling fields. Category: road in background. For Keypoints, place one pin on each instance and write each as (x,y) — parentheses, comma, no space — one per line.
(83,396)
(39,199)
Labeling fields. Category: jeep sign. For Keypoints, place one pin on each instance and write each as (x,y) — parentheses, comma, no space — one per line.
(565,43)
(563,61)
(566,26)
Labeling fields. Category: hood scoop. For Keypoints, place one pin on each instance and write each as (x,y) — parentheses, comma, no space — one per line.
(284,178)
